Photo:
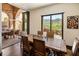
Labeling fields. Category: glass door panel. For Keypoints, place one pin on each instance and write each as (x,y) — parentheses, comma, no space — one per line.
(56,22)
(24,22)
(25,26)
(46,22)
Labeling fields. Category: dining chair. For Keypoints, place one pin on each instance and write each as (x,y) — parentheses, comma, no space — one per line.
(46,30)
(44,34)
(39,47)
(50,34)
(74,50)
(10,34)
(40,33)
(30,37)
(26,47)
(4,35)
(75,47)
(17,32)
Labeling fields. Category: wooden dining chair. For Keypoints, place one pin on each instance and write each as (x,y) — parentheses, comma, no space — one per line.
(39,47)
(50,34)
(10,34)
(46,30)
(4,35)
(40,33)
(17,32)
(75,47)
(30,37)
(26,47)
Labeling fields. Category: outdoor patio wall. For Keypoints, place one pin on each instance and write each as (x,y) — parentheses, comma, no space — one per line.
(0,28)
(68,9)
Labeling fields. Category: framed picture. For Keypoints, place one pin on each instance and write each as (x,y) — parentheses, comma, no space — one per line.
(72,22)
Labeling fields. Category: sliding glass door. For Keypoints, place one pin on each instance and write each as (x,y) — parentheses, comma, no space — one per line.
(56,22)
(46,22)
(53,22)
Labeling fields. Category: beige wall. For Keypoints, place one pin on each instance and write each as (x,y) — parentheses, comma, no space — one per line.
(68,9)
(0,28)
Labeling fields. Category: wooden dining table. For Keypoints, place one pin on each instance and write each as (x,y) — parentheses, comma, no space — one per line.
(57,45)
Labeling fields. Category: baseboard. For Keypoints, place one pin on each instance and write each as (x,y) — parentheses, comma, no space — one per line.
(1,54)
(69,47)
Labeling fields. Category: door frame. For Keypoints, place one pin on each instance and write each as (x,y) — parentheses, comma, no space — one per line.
(50,22)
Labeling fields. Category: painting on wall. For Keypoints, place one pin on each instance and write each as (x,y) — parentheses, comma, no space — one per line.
(72,22)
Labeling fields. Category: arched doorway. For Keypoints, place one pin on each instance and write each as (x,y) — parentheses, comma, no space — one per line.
(5,21)
(18,21)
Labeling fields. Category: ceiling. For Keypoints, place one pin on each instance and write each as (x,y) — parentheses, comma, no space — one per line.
(29,6)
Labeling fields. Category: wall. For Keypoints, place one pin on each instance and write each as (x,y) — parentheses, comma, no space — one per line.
(68,9)
(0,28)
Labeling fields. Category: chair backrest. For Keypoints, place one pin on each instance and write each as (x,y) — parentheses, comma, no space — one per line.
(44,34)
(39,47)
(25,44)
(30,37)
(40,33)
(17,32)
(46,30)
(23,33)
(11,32)
(75,47)
(50,34)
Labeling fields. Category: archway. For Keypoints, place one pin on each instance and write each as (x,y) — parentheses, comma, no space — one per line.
(18,20)
(5,21)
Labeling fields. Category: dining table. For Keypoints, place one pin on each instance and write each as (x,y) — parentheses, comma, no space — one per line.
(57,45)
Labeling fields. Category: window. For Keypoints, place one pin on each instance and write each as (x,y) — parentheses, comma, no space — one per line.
(5,21)
(53,22)
(46,22)
(26,21)
(25,15)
